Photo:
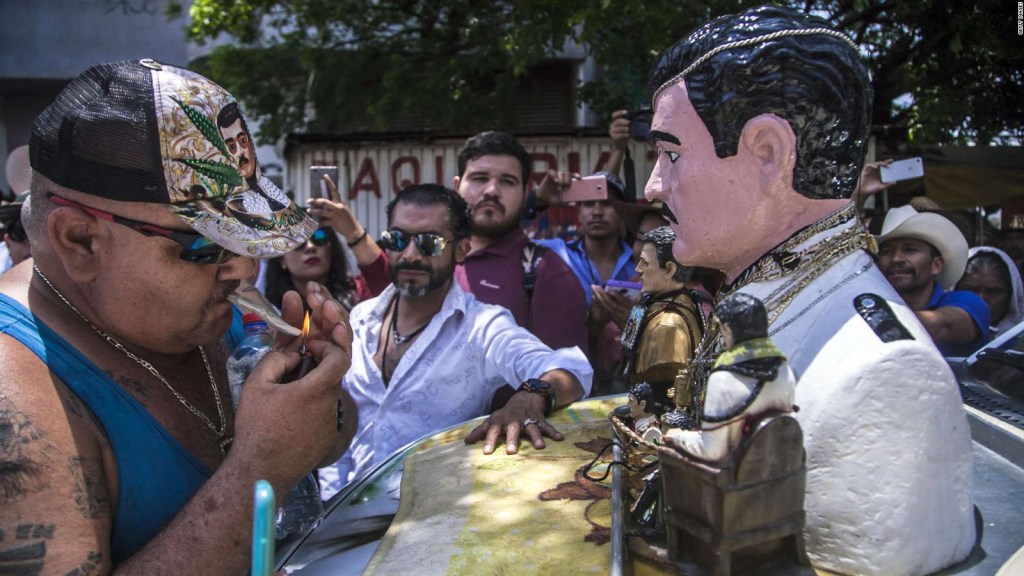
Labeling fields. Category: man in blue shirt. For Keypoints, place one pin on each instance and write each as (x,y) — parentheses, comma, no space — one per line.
(600,254)
(923,255)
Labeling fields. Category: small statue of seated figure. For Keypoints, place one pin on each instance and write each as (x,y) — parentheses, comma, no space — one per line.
(646,405)
(749,378)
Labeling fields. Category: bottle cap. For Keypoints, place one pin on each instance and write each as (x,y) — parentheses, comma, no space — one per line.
(251,318)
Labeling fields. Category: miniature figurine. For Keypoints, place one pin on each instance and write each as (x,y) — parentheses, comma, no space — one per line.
(646,405)
(665,326)
(749,378)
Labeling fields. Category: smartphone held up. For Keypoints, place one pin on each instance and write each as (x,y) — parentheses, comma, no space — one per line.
(586,189)
(317,186)
(630,290)
(902,170)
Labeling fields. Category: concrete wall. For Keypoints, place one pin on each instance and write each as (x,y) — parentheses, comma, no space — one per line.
(57,39)
(46,43)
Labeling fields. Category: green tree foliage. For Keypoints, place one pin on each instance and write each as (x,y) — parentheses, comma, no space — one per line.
(943,70)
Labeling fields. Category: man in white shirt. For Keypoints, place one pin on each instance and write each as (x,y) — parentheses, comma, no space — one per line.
(428,355)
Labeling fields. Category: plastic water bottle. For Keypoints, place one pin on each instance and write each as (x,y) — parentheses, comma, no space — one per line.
(250,350)
(301,507)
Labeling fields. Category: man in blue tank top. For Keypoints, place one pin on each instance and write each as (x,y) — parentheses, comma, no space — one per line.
(119,447)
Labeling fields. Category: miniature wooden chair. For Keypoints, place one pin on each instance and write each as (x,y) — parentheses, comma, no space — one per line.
(746,514)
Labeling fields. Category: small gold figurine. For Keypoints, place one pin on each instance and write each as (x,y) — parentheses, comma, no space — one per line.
(666,324)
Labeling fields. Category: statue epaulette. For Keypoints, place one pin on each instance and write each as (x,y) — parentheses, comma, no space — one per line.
(879,316)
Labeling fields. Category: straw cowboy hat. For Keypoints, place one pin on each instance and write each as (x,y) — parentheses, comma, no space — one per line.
(905,222)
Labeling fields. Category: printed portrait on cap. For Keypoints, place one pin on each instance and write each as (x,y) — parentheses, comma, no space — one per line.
(142,131)
(213,175)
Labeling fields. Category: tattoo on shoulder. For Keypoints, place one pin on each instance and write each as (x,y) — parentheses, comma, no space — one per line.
(91,565)
(23,450)
(89,490)
(23,559)
(30,531)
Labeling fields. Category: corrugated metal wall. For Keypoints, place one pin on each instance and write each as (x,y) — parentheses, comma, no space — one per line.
(371,172)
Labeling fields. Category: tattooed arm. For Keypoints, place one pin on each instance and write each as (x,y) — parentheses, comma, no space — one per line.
(55,513)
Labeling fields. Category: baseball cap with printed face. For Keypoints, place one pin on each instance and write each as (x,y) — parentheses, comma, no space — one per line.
(141,131)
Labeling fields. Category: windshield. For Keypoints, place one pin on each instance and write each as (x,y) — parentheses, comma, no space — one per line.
(1001,367)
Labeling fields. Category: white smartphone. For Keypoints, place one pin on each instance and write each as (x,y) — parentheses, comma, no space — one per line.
(902,170)
(317,186)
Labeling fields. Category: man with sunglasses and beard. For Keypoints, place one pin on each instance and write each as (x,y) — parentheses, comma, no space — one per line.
(429,355)
(119,447)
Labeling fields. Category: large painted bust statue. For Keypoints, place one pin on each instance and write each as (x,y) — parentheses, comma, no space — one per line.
(761,122)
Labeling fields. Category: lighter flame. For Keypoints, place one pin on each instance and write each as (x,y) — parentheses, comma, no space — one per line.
(305,327)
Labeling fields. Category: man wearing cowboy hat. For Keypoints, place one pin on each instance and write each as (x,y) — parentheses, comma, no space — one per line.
(923,255)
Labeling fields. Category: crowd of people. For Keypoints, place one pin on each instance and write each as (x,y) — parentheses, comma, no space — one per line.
(117,321)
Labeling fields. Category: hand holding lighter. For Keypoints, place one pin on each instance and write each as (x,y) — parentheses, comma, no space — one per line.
(306,363)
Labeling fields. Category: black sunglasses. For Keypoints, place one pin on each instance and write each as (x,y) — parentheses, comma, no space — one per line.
(197,248)
(427,243)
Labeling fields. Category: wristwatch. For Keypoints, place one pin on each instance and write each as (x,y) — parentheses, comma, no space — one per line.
(538,386)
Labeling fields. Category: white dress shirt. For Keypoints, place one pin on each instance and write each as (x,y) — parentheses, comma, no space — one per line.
(447,376)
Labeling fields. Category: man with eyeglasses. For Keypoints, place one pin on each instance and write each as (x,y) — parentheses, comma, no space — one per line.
(264,196)
(428,355)
(119,447)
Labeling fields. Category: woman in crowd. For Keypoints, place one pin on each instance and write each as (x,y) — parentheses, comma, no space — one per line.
(322,258)
(992,275)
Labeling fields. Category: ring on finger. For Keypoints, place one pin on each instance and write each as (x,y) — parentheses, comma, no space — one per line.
(529,421)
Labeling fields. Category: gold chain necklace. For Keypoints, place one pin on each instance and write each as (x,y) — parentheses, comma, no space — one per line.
(815,261)
(781,260)
(224,440)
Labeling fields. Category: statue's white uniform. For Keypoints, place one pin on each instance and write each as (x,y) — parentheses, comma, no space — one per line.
(726,392)
(888,444)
